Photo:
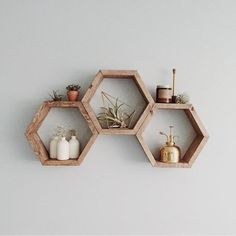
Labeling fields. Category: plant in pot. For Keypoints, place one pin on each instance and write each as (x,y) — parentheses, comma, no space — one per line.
(73,92)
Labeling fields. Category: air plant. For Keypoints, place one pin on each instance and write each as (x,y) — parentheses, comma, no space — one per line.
(55,96)
(182,98)
(115,113)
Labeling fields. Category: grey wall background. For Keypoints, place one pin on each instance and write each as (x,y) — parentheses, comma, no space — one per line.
(49,44)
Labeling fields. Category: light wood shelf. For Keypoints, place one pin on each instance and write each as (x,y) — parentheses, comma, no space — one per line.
(138,129)
(117,74)
(195,147)
(38,145)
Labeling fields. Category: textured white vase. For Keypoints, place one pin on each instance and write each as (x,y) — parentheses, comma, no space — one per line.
(63,149)
(74,147)
(53,147)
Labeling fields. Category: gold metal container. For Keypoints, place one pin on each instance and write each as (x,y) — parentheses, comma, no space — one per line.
(170,153)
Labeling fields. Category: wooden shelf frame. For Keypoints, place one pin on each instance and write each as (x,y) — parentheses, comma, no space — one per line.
(195,147)
(38,145)
(90,117)
(117,74)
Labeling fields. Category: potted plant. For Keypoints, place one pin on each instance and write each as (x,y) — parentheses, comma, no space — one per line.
(73,92)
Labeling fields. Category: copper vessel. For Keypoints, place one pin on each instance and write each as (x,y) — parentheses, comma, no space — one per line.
(170,153)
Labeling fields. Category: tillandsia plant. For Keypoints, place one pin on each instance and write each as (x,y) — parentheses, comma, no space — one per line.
(115,113)
(73,87)
(182,98)
(55,96)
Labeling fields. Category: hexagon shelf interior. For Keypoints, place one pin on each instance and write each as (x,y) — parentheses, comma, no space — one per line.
(125,83)
(195,146)
(41,149)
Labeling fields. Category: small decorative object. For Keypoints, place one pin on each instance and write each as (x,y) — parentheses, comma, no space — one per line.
(116,114)
(182,98)
(170,153)
(53,147)
(55,96)
(63,149)
(73,146)
(163,94)
(73,92)
(173,86)
(53,144)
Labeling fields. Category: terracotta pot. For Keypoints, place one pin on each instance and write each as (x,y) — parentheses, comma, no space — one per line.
(72,95)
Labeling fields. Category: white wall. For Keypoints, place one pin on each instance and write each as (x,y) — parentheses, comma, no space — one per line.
(46,45)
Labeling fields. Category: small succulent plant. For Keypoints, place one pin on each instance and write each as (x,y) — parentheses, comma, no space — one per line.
(73,87)
(182,98)
(55,96)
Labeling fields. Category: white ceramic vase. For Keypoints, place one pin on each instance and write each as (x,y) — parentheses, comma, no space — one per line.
(53,147)
(74,147)
(63,149)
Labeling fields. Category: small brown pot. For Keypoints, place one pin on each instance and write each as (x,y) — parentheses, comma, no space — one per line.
(72,95)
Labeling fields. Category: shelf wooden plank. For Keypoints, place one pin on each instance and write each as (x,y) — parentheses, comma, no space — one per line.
(172,165)
(38,147)
(143,90)
(195,148)
(54,162)
(196,122)
(125,74)
(63,104)
(92,88)
(121,131)
(37,119)
(146,150)
(172,106)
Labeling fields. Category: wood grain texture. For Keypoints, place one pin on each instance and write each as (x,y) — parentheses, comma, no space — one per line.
(173,106)
(37,144)
(126,74)
(37,119)
(196,122)
(146,150)
(181,164)
(63,104)
(118,74)
(195,147)
(52,162)
(142,88)
(142,118)
(92,88)
(93,117)
(38,147)
(118,131)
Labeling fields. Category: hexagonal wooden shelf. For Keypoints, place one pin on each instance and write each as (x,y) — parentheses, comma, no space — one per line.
(195,147)
(117,74)
(37,144)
